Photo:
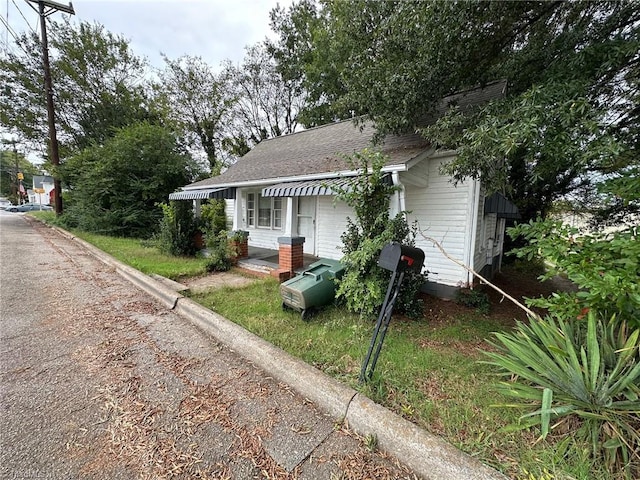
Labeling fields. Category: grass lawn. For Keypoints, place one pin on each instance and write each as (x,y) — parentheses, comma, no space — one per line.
(139,254)
(429,370)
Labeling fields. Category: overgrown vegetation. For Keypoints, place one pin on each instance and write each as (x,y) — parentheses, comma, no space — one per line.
(178,228)
(221,254)
(578,370)
(363,285)
(118,184)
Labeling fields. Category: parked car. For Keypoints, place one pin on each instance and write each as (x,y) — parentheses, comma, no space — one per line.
(28,207)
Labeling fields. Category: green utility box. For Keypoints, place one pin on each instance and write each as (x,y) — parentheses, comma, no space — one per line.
(312,288)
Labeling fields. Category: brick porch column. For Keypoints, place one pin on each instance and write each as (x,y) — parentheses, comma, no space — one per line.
(289,256)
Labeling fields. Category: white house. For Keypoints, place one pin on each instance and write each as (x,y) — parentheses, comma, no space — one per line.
(280,192)
(42,188)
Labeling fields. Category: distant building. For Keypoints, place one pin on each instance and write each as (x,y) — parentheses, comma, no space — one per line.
(42,188)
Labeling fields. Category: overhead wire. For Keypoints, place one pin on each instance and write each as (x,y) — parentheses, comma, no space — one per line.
(22,15)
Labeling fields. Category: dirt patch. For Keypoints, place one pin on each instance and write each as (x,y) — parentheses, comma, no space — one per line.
(520,285)
(233,278)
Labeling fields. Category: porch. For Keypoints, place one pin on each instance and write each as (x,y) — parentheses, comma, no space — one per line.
(265,260)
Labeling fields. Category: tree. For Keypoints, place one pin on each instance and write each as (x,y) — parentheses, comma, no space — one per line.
(117,186)
(265,105)
(571,67)
(200,103)
(98,87)
(12,162)
(300,28)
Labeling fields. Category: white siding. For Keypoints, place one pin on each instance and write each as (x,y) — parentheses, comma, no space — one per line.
(229,206)
(331,223)
(442,212)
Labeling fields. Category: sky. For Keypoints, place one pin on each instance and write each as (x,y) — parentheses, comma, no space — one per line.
(212,29)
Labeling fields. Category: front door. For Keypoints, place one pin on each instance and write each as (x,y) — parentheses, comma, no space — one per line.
(307,223)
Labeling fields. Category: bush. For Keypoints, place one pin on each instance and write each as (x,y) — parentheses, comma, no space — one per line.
(588,371)
(222,255)
(213,218)
(604,267)
(474,299)
(364,284)
(177,229)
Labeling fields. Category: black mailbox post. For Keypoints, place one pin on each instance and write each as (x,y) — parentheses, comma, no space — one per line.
(398,259)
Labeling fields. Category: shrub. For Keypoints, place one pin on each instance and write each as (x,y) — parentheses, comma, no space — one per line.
(604,267)
(364,284)
(588,371)
(213,218)
(474,299)
(221,255)
(177,229)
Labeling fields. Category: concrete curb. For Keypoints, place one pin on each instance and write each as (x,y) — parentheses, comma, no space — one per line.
(330,395)
(158,290)
(427,455)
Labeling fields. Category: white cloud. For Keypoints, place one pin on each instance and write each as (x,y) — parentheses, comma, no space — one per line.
(212,29)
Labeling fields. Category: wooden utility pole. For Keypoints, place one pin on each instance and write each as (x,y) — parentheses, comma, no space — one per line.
(46,8)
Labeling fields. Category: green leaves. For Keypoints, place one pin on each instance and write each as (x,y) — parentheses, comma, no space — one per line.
(604,266)
(592,372)
(118,185)
(363,285)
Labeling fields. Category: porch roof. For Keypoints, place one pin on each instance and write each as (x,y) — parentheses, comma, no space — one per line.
(323,186)
(202,194)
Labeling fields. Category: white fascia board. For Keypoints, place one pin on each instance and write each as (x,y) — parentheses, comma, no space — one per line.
(298,178)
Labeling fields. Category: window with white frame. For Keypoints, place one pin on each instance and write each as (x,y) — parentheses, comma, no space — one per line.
(251,209)
(267,210)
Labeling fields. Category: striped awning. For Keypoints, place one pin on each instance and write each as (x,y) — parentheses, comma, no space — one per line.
(222,192)
(309,188)
(498,204)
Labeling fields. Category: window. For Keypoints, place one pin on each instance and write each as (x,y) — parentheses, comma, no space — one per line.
(269,211)
(277,212)
(251,209)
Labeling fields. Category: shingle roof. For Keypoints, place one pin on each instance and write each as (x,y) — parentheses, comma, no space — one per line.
(314,151)
(321,149)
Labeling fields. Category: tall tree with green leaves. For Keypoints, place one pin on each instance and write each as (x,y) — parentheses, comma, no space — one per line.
(199,101)
(570,110)
(98,87)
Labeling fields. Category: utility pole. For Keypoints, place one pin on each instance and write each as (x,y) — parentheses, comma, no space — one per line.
(46,8)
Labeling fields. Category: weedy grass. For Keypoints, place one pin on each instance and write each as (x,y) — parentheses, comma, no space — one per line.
(145,257)
(429,374)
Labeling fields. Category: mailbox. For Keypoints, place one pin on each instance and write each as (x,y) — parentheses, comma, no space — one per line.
(401,258)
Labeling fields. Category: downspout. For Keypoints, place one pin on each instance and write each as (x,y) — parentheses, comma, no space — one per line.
(475,203)
(395,176)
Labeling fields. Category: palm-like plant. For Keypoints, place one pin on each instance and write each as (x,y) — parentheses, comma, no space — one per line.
(587,370)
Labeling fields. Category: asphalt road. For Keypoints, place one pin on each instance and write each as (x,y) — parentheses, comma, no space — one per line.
(98,380)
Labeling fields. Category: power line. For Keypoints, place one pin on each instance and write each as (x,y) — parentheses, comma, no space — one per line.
(22,15)
(14,35)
